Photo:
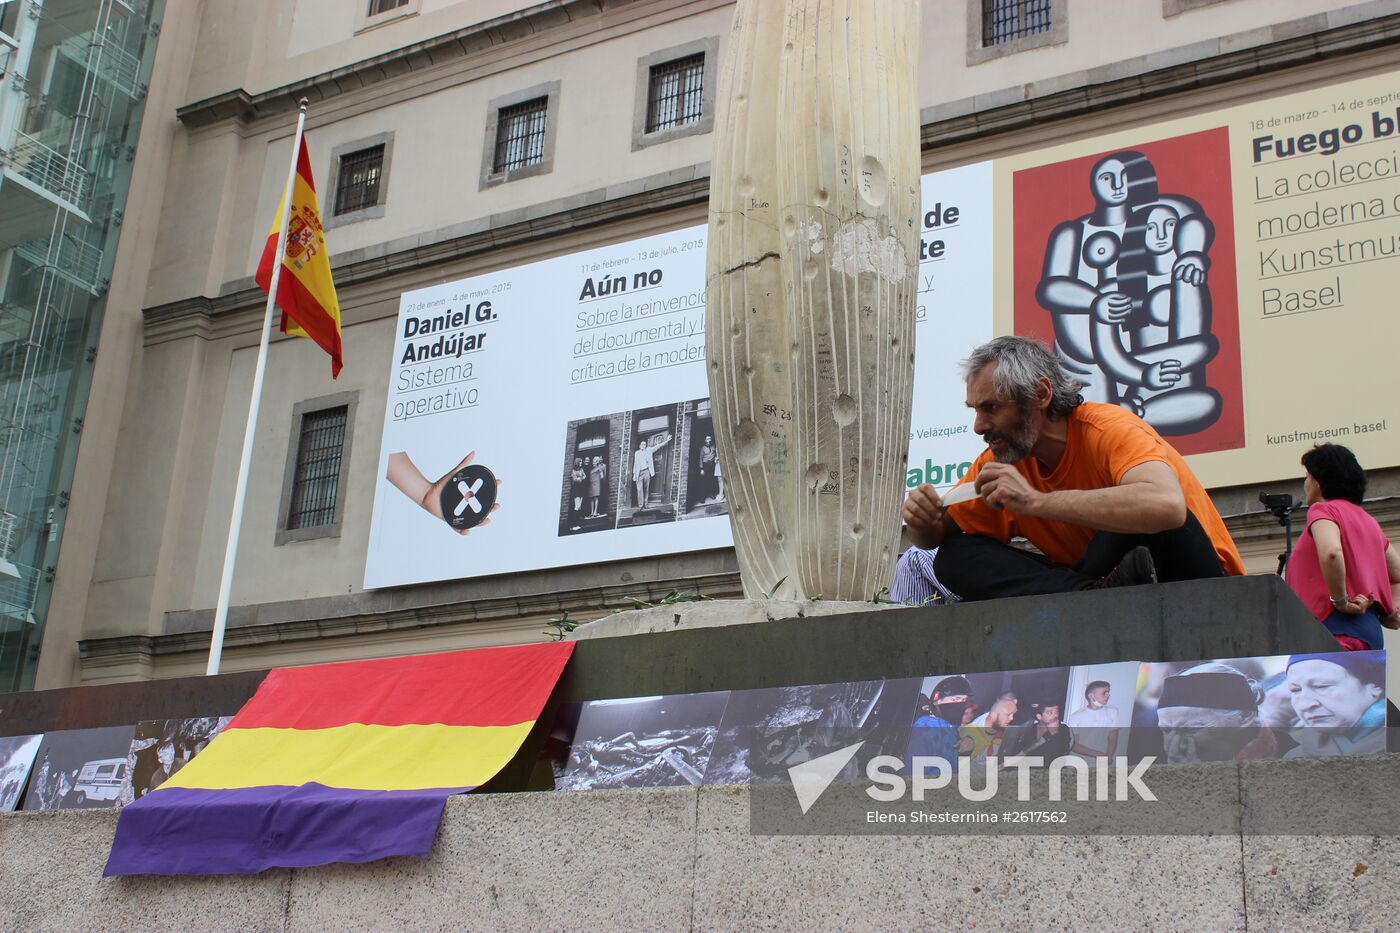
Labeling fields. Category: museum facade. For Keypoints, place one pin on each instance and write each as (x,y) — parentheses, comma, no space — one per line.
(514,197)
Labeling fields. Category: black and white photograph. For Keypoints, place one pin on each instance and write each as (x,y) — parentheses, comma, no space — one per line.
(703,494)
(161,747)
(589,489)
(79,769)
(661,741)
(766,732)
(16,760)
(651,483)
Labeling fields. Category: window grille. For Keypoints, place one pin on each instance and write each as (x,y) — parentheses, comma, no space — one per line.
(316,485)
(357,185)
(384,6)
(520,135)
(1007,20)
(674,94)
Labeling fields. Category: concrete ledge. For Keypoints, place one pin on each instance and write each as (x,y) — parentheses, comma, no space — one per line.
(51,879)
(685,859)
(1237,617)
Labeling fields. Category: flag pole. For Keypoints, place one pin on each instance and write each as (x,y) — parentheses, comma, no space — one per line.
(216,643)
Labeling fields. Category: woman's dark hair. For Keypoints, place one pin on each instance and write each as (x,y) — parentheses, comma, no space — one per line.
(1338,474)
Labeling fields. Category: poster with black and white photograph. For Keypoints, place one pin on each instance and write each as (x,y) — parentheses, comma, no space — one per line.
(567,378)
(629,469)
(766,732)
(661,741)
(161,747)
(79,769)
(574,380)
(16,759)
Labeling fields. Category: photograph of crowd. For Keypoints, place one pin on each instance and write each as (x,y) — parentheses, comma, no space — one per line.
(766,732)
(1236,709)
(162,747)
(644,741)
(973,715)
(16,759)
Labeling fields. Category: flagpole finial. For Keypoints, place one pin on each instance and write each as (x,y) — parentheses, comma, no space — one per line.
(302,104)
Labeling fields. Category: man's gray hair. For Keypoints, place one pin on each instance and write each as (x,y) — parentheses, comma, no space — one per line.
(1021,363)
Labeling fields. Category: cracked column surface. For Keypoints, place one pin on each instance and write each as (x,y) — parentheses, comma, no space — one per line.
(814,198)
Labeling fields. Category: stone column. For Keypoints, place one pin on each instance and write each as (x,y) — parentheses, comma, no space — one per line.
(812,269)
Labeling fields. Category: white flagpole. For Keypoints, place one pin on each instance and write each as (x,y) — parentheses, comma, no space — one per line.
(216,644)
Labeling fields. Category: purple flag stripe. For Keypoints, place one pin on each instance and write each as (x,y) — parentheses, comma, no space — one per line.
(193,831)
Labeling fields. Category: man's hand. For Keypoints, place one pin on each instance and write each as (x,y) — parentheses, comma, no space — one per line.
(1111,308)
(924,513)
(1003,487)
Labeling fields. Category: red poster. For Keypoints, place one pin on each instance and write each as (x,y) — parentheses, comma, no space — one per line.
(1125,262)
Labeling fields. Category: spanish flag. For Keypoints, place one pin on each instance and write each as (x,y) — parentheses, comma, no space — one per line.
(305,292)
(340,763)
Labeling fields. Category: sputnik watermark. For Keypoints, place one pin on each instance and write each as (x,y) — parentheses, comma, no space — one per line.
(928,774)
(893,779)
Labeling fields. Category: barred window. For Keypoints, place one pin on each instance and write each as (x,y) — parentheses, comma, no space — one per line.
(674,94)
(520,135)
(1008,20)
(384,6)
(316,484)
(357,184)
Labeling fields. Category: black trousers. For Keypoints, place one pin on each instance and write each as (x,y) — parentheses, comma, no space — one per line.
(976,567)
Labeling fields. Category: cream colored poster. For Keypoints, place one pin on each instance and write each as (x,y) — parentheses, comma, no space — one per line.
(1231,277)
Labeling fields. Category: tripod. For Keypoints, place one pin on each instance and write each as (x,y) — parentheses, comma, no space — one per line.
(1282,506)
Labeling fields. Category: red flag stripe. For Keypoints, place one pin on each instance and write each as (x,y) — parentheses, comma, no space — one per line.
(297,302)
(481,687)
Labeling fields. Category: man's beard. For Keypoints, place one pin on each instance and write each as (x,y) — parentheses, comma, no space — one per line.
(1019,442)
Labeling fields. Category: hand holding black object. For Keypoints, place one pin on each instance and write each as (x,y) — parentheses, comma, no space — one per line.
(406,477)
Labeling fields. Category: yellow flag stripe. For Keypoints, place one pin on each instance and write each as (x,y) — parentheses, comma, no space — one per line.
(313,269)
(355,756)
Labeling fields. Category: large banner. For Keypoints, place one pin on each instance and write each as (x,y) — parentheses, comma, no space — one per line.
(1226,275)
(1223,275)
(579,384)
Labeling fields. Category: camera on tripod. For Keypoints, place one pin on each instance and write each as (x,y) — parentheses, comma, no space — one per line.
(1280,503)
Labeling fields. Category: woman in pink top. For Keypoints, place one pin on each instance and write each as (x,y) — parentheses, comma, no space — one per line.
(1344,569)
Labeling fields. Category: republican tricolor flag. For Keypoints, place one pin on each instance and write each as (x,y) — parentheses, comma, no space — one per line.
(305,292)
(340,763)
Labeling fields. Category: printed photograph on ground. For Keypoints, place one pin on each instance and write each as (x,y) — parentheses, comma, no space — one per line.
(766,732)
(162,747)
(1284,706)
(16,759)
(79,768)
(991,715)
(1099,708)
(661,741)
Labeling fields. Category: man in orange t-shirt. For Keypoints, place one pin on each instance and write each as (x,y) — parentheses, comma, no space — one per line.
(1106,500)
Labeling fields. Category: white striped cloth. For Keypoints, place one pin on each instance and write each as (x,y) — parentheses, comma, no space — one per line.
(915,582)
